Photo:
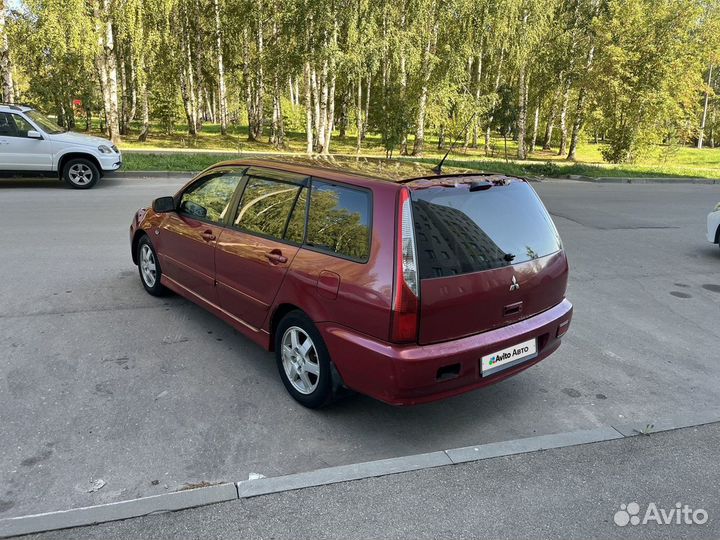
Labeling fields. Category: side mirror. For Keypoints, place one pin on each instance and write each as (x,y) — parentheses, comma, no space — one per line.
(32,134)
(163,205)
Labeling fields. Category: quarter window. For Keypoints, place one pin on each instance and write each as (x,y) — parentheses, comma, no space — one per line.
(339,220)
(266,206)
(209,198)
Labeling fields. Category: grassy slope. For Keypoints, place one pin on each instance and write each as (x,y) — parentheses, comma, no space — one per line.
(181,152)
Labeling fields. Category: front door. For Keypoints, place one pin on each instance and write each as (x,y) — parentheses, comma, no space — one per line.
(18,152)
(254,253)
(187,238)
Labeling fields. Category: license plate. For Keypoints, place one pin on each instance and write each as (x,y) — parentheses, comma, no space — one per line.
(506,358)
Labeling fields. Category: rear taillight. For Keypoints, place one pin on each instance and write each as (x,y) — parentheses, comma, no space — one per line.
(405,300)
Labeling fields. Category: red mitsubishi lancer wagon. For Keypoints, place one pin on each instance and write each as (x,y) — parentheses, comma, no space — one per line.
(408,291)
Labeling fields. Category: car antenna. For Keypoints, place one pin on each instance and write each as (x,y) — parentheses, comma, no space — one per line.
(438,168)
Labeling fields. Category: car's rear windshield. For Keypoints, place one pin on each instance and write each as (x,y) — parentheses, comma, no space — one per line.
(459,230)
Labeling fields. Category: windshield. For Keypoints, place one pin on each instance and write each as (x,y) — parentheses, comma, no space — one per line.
(459,231)
(47,125)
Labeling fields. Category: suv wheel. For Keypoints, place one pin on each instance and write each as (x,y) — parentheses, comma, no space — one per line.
(80,173)
(149,268)
(303,361)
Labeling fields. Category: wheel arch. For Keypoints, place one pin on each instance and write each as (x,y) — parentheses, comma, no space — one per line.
(134,244)
(77,155)
(717,235)
(280,311)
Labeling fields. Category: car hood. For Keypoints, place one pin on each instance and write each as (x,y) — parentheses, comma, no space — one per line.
(81,139)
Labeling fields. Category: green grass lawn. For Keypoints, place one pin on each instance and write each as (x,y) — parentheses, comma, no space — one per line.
(180,152)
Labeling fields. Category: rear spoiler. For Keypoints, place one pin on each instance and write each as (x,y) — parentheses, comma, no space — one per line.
(461,175)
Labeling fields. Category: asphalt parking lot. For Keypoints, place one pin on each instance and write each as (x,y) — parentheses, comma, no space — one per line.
(100,381)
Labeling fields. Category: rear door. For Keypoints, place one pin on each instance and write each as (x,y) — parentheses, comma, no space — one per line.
(18,152)
(488,255)
(254,253)
(188,236)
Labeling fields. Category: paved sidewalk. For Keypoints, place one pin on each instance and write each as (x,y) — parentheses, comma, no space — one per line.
(571,492)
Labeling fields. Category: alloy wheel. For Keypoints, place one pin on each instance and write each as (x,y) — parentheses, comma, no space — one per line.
(300,360)
(148,267)
(80,174)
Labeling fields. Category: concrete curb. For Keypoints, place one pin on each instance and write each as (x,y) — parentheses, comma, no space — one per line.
(532,444)
(343,473)
(155,174)
(631,429)
(182,500)
(77,517)
(641,180)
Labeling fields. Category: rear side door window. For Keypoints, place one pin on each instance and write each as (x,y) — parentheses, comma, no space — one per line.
(7,126)
(339,220)
(209,198)
(272,208)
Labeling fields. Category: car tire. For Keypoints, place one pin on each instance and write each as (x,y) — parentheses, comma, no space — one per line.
(80,173)
(149,268)
(305,369)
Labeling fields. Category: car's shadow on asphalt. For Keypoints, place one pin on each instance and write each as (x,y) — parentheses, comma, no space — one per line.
(25,182)
(431,425)
(49,182)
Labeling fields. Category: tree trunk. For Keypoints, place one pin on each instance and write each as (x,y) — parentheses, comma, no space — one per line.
(478,76)
(403,78)
(277,136)
(222,91)
(308,109)
(367,106)
(490,118)
(322,86)
(536,125)
(522,112)
(343,120)
(563,118)
(550,123)
(7,87)
(359,105)
(107,67)
(422,103)
(580,111)
(330,103)
(187,85)
(577,124)
(145,113)
(249,86)
(124,101)
(705,109)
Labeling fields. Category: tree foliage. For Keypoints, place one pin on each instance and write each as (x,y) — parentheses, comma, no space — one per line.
(626,73)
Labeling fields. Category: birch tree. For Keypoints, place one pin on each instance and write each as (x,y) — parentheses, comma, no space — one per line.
(8,86)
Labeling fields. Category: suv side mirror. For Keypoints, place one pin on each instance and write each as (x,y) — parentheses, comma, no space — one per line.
(163,205)
(32,134)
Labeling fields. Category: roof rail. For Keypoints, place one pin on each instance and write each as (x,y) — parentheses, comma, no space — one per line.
(14,106)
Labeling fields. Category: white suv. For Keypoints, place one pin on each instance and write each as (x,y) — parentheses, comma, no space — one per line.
(713,225)
(32,143)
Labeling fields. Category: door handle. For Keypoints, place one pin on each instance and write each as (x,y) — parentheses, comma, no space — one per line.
(276,257)
(208,236)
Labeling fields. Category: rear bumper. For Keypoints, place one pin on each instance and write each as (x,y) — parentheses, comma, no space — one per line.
(408,375)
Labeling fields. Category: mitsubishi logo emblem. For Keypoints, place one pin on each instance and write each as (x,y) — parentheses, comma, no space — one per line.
(514,286)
